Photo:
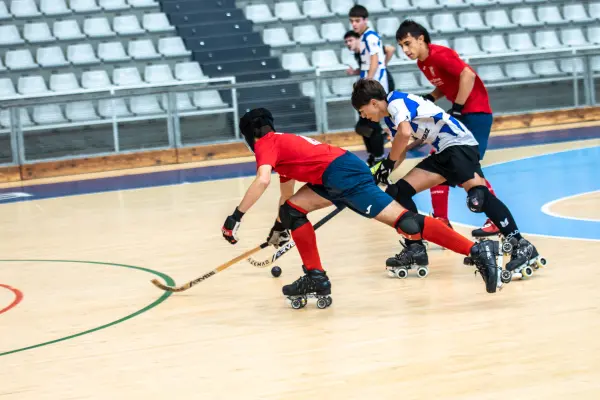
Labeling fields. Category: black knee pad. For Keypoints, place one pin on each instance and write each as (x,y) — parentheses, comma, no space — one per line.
(291,218)
(477,197)
(403,193)
(410,225)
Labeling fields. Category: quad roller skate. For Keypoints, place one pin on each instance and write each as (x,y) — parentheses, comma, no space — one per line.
(315,284)
(524,260)
(412,256)
(484,257)
(487,230)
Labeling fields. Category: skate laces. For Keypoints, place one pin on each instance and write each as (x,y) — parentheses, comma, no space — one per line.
(405,255)
(305,284)
(523,250)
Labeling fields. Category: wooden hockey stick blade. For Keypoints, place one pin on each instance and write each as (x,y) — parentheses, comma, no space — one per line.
(220,268)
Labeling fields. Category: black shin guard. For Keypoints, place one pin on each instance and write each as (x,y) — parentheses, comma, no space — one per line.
(403,193)
(479,199)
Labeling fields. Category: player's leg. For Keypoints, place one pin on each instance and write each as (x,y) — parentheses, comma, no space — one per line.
(439,200)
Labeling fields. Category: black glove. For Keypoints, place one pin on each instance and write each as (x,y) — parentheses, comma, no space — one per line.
(429,97)
(278,236)
(383,170)
(231,226)
(456,110)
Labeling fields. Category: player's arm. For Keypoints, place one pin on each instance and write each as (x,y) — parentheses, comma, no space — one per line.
(389,53)
(373,46)
(465,85)
(456,67)
(374,64)
(435,95)
(400,143)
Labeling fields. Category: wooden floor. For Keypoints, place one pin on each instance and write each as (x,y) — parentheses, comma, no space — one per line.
(86,330)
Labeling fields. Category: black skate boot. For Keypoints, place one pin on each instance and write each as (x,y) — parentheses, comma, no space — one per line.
(524,259)
(483,256)
(315,284)
(413,255)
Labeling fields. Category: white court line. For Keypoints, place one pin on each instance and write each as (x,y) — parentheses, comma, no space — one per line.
(546,208)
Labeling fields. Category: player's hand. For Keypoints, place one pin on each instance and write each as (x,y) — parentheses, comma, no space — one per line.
(231,226)
(429,97)
(278,236)
(456,110)
(383,170)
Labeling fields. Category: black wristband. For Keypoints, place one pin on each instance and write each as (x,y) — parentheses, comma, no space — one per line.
(429,97)
(278,226)
(237,215)
(457,107)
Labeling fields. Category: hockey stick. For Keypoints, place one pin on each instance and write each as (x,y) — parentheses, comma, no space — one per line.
(220,268)
(291,244)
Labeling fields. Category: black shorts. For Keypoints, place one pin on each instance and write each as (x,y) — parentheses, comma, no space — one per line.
(457,164)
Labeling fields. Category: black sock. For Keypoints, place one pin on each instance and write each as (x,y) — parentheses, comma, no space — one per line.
(500,215)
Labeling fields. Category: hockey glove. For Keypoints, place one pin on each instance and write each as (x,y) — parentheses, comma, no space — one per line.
(231,226)
(383,171)
(456,110)
(429,97)
(278,236)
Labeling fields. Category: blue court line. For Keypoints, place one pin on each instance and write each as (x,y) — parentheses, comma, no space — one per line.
(201,174)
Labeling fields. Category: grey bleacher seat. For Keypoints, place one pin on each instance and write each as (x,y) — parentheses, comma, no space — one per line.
(567,65)
(48,114)
(427,4)
(67,30)
(172,47)
(519,70)
(64,82)
(524,16)
(81,54)
(549,15)
(324,59)
(127,76)
(467,46)
(341,7)
(494,44)
(127,25)
(10,35)
(19,59)
(106,108)
(288,11)
(112,51)
(24,117)
(295,62)
(98,27)
(593,34)
(445,22)
(497,19)
(546,68)
(421,19)
(259,13)
(113,5)
(387,26)
(145,105)
(399,5)
(143,3)
(316,9)
(189,71)
(374,6)
(452,3)
(491,73)
(306,34)
(158,73)
(54,7)
(157,22)
(37,32)
(520,41)
(51,56)
(24,8)
(4,14)
(96,79)
(342,86)
(407,81)
(208,99)
(573,37)
(575,12)
(309,89)
(80,111)
(82,6)
(547,39)
(182,101)
(333,31)
(471,20)
(276,37)
(142,49)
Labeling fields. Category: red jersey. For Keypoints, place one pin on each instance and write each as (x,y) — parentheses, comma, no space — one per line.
(295,157)
(443,67)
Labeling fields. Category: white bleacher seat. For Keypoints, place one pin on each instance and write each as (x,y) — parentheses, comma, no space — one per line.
(182,101)
(306,34)
(112,51)
(208,99)
(427,4)
(145,105)
(567,65)
(51,56)
(259,13)
(575,12)
(452,3)
(157,22)
(24,118)
(546,68)
(9,35)
(83,5)
(97,79)
(80,111)
(24,8)
(593,34)
(490,73)
(81,54)
(407,81)
(549,15)
(309,89)
(4,14)
(295,62)
(113,5)
(189,71)
(143,3)
(35,84)
(341,7)
(316,9)
(108,106)
(37,32)
(421,19)
(7,88)
(142,49)
(445,22)
(324,59)
(158,73)
(520,41)
(519,70)
(63,82)
(594,10)
(54,7)
(399,5)
(388,26)
(374,6)
(333,31)
(524,16)
(288,11)
(276,37)
(439,42)
(347,58)
(127,25)
(19,59)
(547,40)
(342,86)
(467,46)
(97,27)
(497,19)
(67,30)
(128,76)
(471,20)
(573,37)
(48,114)
(172,47)
(494,44)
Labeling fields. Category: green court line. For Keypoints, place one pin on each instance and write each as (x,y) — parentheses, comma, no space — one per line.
(162,298)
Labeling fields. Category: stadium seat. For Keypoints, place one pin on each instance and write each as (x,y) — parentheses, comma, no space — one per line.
(547,39)
(471,20)
(80,111)
(573,37)
(37,32)
(445,22)
(421,19)
(549,15)
(112,51)
(342,86)
(7,88)
(2,67)
(567,65)
(48,114)
(387,26)
(97,79)
(374,6)
(593,34)
(490,73)
(127,25)
(83,6)
(546,68)
(519,70)
(307,34)
(97,27)
(189,71)
(4,14)
(9,35)
(520,42)
(113,5)
(259,13)
(142,49)
(63,82)
(67,30)
(288,11)
(19,59)
(341,7)
(439,42)
(107,107)
(182,100)
(24,117)
(427,4)
(596,63)
(497,19)
(157,22)
(407,81)
(309,89)
(128,76)
(172,47)
(145,105)
(295,62)
(143,3)
(81,54)
(208,99)
(575,12)
(276,37)
(35,84)
(51,56)
(467,46)
(347,58)
(158,73)
(594,10)
(24,8)
(324,59)
(54,7)
(399,5)
(494,44)
(452,3)
(316,9)
(333,31)
(524,16)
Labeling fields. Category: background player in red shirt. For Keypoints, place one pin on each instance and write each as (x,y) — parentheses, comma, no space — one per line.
(456,80)
(333,176)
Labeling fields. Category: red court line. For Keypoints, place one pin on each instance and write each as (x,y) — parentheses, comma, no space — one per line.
(18,297)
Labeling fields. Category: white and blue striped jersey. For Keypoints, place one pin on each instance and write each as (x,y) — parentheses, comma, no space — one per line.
(370,43)
(428,121)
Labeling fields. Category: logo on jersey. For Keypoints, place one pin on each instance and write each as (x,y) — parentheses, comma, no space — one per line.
(432,71)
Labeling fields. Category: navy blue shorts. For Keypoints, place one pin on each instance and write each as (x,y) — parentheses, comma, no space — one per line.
(480,125)
(349,182)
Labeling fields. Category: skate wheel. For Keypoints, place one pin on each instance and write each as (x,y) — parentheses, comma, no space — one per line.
(401,273)
(322,303)
(296,304)
(507,247)
(527,272)
(541,262)
(505,276)
(303,301)
(422,272)
(329,300)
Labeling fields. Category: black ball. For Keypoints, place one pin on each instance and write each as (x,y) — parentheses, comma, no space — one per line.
(276,272)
